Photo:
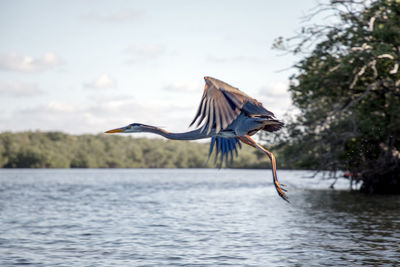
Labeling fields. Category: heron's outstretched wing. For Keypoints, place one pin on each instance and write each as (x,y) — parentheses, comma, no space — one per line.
(220,105)
(224,148)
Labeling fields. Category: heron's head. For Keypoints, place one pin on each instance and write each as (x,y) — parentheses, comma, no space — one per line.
(131,128)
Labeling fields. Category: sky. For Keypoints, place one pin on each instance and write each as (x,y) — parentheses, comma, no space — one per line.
(85,66)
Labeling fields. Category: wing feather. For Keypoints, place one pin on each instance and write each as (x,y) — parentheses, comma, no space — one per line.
(199,110)
(211,116)
(224,115)
(203,111)
(217,119)
(204,115)
(220,105)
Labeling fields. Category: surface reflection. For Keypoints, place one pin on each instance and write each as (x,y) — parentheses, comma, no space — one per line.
(350,226)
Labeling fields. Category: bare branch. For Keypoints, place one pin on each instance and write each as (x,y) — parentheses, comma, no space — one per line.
(364,47)
(386,56)
(395,69)
(361,72)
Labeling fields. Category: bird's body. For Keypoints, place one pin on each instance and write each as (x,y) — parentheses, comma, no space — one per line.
(227,116)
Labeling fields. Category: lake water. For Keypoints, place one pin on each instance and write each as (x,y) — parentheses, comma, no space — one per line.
(195,217)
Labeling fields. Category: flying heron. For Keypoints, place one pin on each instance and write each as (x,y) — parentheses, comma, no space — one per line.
(227,116)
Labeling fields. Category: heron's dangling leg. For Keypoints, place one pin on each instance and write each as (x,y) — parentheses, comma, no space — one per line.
(281,191)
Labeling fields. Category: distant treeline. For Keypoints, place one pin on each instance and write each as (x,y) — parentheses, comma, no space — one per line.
(60,150)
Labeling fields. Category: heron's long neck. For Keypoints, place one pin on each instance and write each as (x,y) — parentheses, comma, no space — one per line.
(191,135)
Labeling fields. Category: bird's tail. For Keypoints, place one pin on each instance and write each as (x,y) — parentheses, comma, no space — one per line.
(274,126)
(270,124)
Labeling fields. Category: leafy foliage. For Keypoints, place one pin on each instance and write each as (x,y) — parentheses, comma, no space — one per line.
(60,150)
(348,91)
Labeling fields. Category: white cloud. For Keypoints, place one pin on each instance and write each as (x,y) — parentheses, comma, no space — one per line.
(275,89)
(19,89)
(275,97)
(235,59)
(184,87)
(116,17)
(141,52)
(97,116)
(21,63)
(103,82)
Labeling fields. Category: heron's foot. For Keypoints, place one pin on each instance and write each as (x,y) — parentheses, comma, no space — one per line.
(283,187)
(280,188)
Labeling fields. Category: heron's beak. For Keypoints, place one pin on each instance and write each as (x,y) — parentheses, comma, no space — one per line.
(118,130)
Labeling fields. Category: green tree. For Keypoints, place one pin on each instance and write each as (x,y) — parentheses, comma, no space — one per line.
(348,91)
(28,158)
(60,150)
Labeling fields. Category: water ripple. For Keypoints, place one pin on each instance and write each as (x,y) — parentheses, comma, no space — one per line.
(189,218)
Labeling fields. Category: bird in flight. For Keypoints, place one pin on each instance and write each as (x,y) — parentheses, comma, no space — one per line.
(227,116)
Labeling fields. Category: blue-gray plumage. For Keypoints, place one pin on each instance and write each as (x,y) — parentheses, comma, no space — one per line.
(227,116)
